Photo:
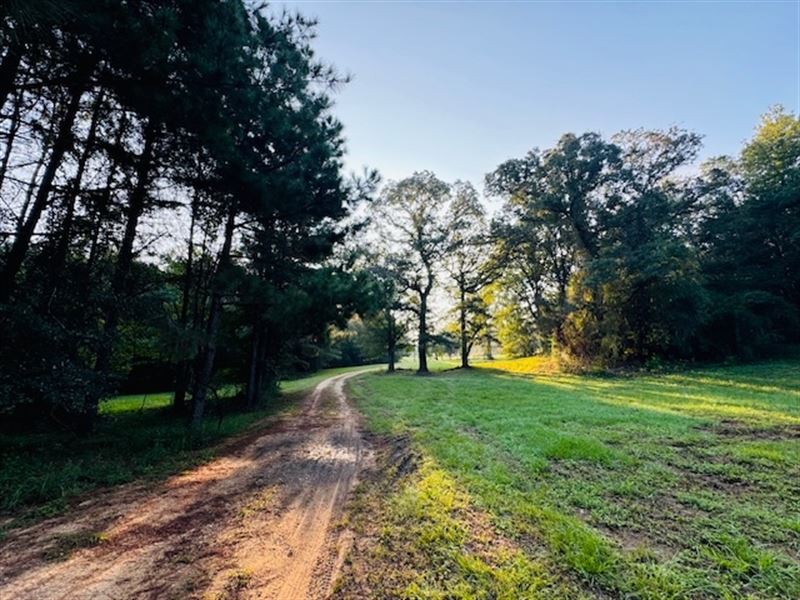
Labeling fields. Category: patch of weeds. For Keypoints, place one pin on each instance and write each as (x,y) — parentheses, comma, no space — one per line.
(705,500)
(736,555)
(582,548)
(65,545)
(437,525)
(780,452)
(793,525)
(758,568)
(235,584)
(259,502)
(578,448)
(511,576)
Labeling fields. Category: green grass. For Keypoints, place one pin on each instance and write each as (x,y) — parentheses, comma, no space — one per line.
(135,437)
(679,485)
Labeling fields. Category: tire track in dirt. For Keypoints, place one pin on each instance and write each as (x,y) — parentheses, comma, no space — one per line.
(259,521)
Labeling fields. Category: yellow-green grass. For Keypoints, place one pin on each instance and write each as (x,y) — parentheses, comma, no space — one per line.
(683,485)
(531,365)
(136,436)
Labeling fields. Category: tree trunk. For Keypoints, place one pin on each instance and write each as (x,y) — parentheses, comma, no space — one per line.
(19,248)
(13,128)
(422,342)
(391,340)
(262,369)
(105,200)
(29,193)
(184,366)
(119,282)
(206,363)
(59,257)
(252,388)
(8,71)
(462,309)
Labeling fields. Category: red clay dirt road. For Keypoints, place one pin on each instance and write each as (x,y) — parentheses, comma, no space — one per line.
(259,521)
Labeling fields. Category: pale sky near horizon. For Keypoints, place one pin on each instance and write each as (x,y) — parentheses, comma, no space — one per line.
(458,87)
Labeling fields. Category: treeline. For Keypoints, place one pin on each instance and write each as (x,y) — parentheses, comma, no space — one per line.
(173,215)
(172,195)
(620,252)
(605,252)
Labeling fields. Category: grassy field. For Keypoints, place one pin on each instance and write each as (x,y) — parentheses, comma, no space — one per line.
(135,437)
(533,484)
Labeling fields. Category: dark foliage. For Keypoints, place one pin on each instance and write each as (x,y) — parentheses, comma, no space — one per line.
(172,193)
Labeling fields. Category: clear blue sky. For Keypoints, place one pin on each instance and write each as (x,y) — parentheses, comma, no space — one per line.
(458,87)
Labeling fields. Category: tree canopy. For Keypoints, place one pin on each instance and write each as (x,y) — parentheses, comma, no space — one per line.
(129,126)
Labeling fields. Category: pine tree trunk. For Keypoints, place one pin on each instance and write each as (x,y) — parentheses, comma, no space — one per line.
(206,362)
(13,128)
(8,71)
(252,391)
(261,369)
(183,368)
(105,200)
(29,193)
(119,282)
(19,249)
(59,257)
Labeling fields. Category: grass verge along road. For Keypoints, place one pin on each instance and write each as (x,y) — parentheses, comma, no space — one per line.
(517,482)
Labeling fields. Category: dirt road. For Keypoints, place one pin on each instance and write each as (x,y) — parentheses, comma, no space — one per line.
(260,521)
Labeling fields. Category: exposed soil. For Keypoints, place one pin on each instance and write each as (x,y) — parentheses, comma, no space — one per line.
(732,428)
(259,521)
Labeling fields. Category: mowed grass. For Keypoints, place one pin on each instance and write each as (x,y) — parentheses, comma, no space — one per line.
(135,437)
(535,484)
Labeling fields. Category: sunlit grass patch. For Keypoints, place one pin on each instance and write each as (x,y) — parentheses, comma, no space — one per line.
(134,402)
(783,451)
(532,365)
(647,486)
(433,543)
(435,365)
(579,448)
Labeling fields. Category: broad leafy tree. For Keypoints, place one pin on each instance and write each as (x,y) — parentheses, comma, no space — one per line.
(469,263)
(413,217)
